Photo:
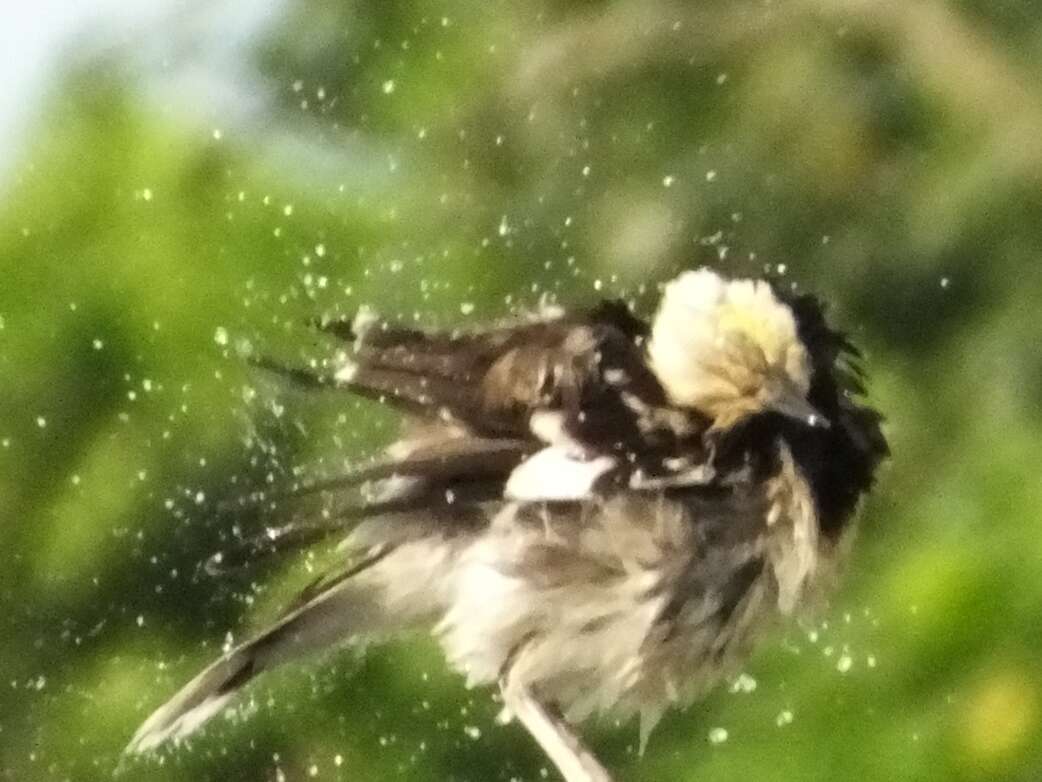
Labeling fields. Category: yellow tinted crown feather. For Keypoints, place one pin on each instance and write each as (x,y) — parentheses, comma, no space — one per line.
(726,347)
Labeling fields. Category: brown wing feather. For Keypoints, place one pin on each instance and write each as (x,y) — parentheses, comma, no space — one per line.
(492,380)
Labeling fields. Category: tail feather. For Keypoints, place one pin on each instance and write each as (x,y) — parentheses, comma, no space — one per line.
(198,701)
(339,611)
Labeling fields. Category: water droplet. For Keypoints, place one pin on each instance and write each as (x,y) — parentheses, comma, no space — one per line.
(388,86)
(744,683)
(718,735)
(668,180)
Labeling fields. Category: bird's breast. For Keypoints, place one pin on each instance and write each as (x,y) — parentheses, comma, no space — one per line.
(632,603)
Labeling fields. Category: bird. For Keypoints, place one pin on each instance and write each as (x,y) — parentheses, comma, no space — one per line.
(590,511)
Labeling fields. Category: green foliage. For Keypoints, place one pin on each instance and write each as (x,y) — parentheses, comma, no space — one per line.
(452,161)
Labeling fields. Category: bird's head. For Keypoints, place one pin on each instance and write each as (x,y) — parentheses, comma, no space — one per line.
(730,349)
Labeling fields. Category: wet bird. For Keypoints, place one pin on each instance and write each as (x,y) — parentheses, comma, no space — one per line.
(592,512)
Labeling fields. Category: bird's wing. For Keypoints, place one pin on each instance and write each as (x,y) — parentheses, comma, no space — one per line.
(572,397)
(555,410)
(492,380)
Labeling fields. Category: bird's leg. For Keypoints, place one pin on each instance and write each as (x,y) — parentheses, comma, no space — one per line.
(560,743)
(552,536)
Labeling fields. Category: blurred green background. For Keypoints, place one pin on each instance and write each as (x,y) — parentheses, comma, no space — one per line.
(200,180)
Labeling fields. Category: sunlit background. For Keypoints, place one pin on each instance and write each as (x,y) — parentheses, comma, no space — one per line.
(186,182)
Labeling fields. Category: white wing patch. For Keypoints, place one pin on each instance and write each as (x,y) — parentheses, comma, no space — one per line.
(556,474)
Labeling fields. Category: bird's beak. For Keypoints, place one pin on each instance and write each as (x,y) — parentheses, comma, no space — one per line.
(787,399)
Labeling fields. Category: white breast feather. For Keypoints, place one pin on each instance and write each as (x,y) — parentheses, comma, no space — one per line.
(555,474)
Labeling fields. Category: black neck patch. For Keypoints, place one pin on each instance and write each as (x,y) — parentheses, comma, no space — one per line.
(840,462)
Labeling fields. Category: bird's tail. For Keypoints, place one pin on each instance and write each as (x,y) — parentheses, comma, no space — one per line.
(333,610)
